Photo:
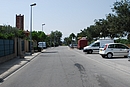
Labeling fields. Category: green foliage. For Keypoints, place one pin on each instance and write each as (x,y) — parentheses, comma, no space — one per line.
(124,41)
(72,36)
(39,36)
(67,40)
(8,32)
(116,24)
(53,39)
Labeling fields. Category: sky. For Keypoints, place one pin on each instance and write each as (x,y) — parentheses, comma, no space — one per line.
(66,16)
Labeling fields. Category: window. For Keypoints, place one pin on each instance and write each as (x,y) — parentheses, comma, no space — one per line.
(111,46)
(122,46)
(96,44)
(116,45)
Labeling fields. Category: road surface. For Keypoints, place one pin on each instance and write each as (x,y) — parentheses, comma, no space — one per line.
(65,67)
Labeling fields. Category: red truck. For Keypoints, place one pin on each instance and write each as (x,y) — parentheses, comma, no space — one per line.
(82,43)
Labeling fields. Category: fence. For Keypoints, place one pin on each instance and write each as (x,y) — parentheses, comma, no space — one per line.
(6,47)
(10,49)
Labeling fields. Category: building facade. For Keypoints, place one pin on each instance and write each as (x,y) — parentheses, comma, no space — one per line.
(20,21)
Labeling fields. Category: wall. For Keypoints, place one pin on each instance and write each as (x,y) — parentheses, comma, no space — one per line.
(17,52)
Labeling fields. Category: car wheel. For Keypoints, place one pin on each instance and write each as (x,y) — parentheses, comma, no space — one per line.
(109,55)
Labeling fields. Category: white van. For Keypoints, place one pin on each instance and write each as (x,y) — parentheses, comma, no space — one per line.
(94,47)
(42,44)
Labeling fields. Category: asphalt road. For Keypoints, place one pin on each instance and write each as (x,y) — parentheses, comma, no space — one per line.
(65,67)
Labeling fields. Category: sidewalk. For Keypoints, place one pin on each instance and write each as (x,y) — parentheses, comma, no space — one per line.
(11,66)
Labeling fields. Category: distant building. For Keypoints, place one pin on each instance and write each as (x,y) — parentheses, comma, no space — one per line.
(20,24)
(20,21)
(27,33)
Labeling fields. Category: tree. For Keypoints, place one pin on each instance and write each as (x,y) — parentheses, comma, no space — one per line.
(8,32)
(39,36)
(122,10)
(67,41)
(55,38)
(72,36)
(115,25)
(102,28)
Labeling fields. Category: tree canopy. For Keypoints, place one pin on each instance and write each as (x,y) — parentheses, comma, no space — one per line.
(115,25)
(53,39)
(8,32)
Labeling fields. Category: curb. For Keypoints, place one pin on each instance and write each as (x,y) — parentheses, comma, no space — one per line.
(16,67)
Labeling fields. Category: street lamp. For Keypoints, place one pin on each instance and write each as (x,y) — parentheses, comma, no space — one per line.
(42,27)
(31,27)
(42,38)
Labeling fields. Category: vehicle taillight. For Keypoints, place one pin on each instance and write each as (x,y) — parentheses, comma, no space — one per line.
(105,47)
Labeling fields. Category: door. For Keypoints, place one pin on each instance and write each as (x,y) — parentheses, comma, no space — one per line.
(123,50)
(95,47)
(113,48)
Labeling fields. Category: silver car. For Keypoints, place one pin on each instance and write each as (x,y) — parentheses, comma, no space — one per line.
(114,49)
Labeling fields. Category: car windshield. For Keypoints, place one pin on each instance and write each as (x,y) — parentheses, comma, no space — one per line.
(91,44)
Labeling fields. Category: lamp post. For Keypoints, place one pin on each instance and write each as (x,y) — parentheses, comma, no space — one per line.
(31,27)
(42,38)
(42,27)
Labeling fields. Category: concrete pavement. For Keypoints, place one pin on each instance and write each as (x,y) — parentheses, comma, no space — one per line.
(11,66)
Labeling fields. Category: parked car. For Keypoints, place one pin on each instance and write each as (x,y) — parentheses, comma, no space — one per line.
(73,45)
(94,47)
(114,49)
(42,45)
